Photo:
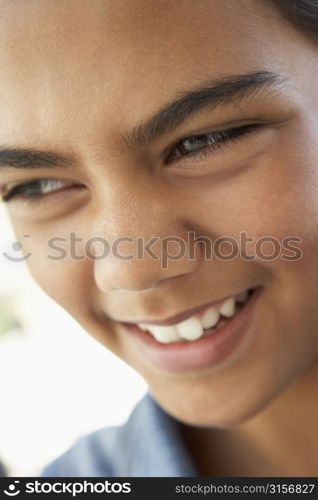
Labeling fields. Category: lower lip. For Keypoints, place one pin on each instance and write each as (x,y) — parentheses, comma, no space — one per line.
(200,354)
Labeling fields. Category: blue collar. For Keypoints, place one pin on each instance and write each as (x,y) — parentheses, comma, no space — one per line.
(153,444)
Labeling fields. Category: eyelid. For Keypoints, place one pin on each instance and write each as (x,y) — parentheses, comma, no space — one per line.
(223,127)
(249,128)
(7,191)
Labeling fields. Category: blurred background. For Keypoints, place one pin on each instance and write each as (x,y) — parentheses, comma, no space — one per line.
(56,383)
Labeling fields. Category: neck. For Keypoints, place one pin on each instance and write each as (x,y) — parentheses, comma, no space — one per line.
(280,441)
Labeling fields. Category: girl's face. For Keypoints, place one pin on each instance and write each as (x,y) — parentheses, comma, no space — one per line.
(83,85)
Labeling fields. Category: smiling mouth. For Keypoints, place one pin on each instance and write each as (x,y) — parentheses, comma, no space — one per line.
(204,323)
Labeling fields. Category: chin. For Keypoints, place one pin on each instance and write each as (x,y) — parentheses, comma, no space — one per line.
(217,411)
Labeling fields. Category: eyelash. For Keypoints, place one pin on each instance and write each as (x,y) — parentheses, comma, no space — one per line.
(218,140)
(19,189)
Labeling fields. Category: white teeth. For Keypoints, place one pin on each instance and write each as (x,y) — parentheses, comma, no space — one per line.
(190,329)
(241,297)
(164,334)
(143,327)
(228,308)
(210,318)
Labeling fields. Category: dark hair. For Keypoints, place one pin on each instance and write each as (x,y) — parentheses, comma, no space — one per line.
(303,13)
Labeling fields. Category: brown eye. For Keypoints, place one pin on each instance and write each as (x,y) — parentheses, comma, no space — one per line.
(190,146)
(195,143)
(34,188)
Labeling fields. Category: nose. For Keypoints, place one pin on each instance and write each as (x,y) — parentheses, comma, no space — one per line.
(146,244)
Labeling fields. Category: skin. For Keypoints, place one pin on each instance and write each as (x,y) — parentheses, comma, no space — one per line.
(78,76)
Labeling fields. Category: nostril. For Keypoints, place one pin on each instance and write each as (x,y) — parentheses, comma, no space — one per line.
(147,289)
(130,284)
(135,275)
(134,289)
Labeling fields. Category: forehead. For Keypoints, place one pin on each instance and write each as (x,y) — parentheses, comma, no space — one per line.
(70,63)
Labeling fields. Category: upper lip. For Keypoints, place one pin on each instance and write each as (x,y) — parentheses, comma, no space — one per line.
(177,318)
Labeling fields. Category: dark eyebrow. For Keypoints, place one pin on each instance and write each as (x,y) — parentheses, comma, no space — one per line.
(208,95)
(27,158)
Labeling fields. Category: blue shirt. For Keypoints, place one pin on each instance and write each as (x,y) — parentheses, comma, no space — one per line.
(149,444)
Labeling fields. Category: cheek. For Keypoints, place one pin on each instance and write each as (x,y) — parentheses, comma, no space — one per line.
(62,273)
(286,206)
(66,281)
(286,191)
(71,284)
(275,196)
